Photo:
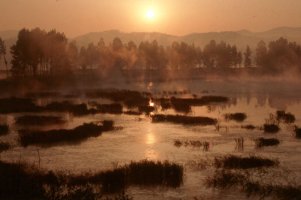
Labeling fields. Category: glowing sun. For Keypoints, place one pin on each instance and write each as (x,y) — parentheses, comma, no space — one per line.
(150,14)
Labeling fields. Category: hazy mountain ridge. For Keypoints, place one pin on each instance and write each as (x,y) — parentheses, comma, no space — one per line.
(240,38)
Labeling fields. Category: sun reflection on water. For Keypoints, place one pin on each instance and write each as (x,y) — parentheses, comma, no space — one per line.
(150,140)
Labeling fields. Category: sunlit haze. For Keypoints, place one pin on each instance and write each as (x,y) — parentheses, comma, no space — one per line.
(178,17)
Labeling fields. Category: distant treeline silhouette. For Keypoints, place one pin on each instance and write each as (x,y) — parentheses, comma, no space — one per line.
(38,52)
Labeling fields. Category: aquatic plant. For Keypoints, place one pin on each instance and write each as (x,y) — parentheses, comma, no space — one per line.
(186,120)
(39,120)
(237,162)
(225,179)
(114,108)
(193,143)
(66,106)
(4,129)
(52,137)
(282,116)
(239,117)
(271,128)
(249,127)
(261,142)
(17,105)
(298,132)
(4,146)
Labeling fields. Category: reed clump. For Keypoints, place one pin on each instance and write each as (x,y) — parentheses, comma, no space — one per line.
(262,142)
(39,120)
(237,162)
(57,136)
(185,120)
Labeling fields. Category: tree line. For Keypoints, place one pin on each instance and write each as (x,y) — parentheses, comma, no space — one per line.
(38,52)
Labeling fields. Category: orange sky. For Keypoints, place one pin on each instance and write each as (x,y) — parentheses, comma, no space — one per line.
(178,17)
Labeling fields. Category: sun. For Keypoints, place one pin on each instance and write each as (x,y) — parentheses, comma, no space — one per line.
(150,14)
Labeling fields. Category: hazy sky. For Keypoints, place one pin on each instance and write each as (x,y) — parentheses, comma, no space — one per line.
(75,17)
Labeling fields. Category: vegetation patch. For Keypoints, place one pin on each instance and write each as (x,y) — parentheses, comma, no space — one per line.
(4,146)
(146,109)
(249,127)
(17,105)
(239,117)
(66,106)
(143,173)
(114,108)
(127,97)
(132,112)
(39,120)
(53,137)
(224,179)
(298,132)
(192,143)
(21,181)
(282,116)
(262,142)
(237,162)
(186,120)
(4,129)
(271,128)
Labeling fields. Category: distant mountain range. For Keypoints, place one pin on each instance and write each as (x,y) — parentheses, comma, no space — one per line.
(239,38)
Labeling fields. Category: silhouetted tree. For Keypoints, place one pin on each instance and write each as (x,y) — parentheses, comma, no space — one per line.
(247,55)
(3,54)
(38,52)
(261,54)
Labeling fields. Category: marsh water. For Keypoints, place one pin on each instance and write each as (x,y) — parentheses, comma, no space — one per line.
(138,138)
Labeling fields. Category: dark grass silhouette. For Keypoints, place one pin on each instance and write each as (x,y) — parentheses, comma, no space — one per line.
(249,127)
(39,120)
(23,181)
(4,130)
(127,97)
(54,137)
(185,120)
(4,146)
(262,142)
(284,117)
(115,108)
(66,106)
(239,117)
(237,162)
(298,132)
(224,179)
(271,128)
(17,105)
(143,173)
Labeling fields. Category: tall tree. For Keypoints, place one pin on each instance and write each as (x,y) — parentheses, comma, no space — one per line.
(261,54)
(247,54)
(3,54)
